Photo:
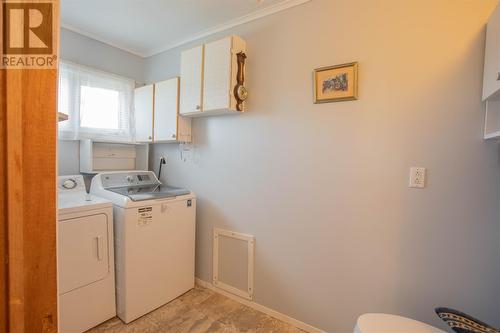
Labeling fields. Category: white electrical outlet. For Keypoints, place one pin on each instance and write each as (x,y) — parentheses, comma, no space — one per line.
(417,177)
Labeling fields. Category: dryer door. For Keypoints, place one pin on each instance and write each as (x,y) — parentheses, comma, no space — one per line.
(83,244)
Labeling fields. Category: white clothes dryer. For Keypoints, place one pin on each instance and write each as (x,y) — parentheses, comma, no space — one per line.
(85,257)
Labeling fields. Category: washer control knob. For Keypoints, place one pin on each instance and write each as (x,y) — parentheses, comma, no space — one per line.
(129,179)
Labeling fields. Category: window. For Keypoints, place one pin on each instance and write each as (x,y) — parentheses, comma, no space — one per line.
(99,104)
(99,108)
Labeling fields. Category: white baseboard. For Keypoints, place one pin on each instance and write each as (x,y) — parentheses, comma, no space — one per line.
(261,308)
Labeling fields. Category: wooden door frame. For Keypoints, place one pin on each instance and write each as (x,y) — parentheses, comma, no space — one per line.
(28,206)
(3,209)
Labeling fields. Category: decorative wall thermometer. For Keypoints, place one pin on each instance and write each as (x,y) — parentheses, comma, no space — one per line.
(240,92)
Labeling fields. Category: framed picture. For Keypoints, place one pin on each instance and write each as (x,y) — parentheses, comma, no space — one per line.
(336,83)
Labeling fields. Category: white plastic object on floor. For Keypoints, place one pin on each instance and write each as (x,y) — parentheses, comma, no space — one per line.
(387,323)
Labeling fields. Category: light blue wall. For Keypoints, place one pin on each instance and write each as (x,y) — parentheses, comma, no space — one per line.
(68,157)
(86,51)
(324,188)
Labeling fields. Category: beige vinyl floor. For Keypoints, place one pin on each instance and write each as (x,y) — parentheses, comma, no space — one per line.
(200,310)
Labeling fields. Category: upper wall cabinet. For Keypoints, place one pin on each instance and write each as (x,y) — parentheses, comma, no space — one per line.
(209,75)
(143,101)
(157,113)
(491,78)
(191,80)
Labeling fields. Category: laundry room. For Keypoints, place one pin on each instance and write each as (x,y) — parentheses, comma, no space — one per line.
(250,166)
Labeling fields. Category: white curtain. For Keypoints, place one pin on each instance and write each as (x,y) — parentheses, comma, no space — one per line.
(99,105)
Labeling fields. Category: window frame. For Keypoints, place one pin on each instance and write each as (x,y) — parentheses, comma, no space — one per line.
(78,76)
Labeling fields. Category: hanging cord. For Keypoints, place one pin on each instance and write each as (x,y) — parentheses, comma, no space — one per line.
(162,161)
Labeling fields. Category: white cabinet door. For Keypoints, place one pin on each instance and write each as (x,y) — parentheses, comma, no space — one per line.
(166,106)
(144,113)
(217,75)
(191,80)
(82,251)
(491,82)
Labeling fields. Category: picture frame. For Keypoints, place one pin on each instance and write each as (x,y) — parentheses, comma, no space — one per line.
(336,83)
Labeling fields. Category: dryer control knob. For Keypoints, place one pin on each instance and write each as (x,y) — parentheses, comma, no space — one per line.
(69,184)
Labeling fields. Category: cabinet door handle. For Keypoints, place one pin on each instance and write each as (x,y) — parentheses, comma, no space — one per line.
(173,136)
(150,138)
(498,76)
(198,107)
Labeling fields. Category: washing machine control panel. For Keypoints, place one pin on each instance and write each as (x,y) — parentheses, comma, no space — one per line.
(133,178)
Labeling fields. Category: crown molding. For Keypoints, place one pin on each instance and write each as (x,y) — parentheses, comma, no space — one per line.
(266,11)
(99,39)
(278,7)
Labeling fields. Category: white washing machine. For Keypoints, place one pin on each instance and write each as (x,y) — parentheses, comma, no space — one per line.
(154,240)
(85,258)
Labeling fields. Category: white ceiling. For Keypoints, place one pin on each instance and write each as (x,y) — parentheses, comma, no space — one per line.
(147,27)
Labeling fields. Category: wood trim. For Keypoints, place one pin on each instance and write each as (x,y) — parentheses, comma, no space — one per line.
(31,199)
(4,318)
(178,105)
(202,86)
(28,212)
(62,116)
(3,210)
(14,137)
(153,117)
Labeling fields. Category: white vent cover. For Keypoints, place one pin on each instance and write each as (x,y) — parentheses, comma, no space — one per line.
(233,262)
